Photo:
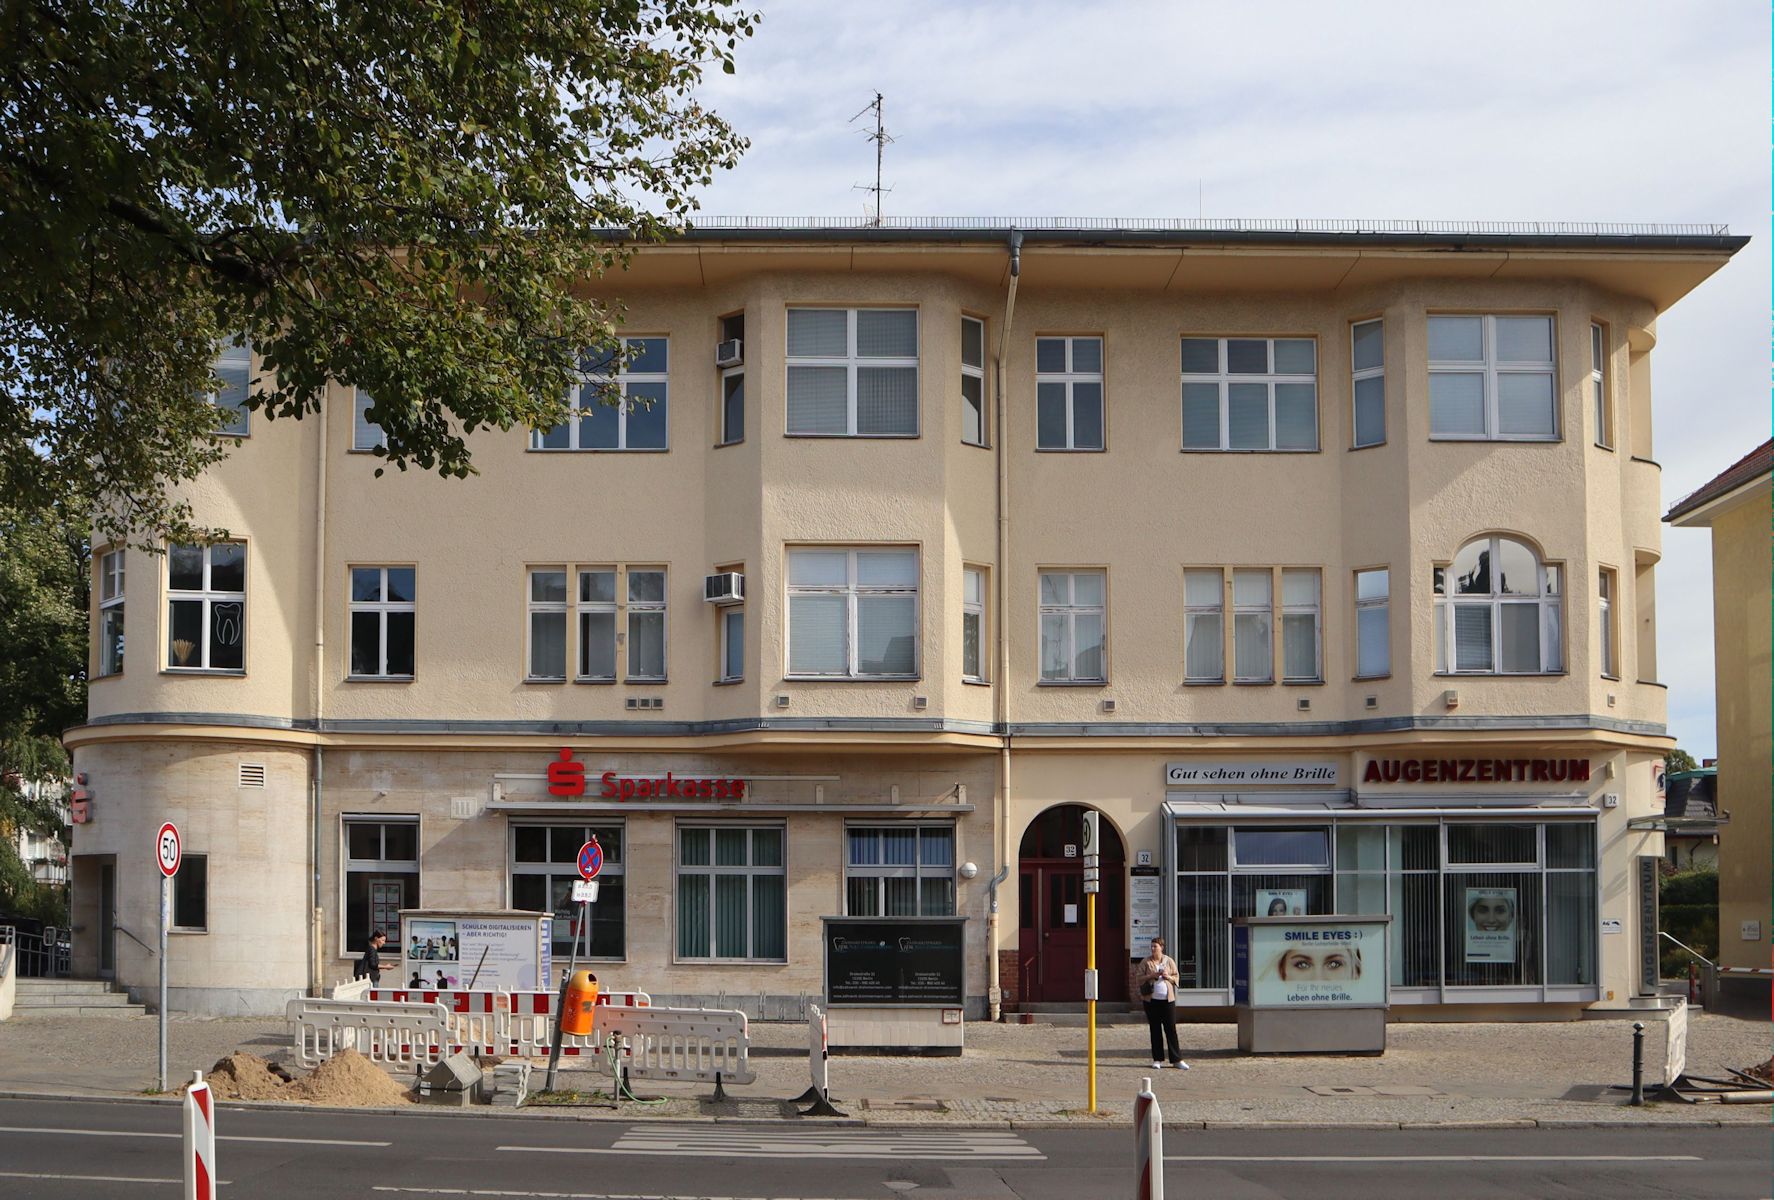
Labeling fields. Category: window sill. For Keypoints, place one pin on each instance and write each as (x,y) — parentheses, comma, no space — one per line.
(1071,449)
(1220,682)
(852,679)
(1072,683)
(1610,678)
(1654,683)
(1604,446)
(237,672)
(1649,462)
(1251,450)
(378,679)
(729,962)
(1253,683)
(369,450)
(599,450)
(727,682)
(1369,678)
(1369,446)
(1501,674)
(589,680)
(966,682)
(97,678)
(650,682)
(185,930)
(545,679)
(1302,683)
(734,442)
(1514,441)
(977,445)
(844,437)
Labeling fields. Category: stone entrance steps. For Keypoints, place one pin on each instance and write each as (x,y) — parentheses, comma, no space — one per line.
(72,998)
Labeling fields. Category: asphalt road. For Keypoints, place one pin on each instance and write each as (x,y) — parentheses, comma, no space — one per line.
(83,1149)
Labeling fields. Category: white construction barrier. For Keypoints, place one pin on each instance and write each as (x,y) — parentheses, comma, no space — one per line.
(399,1034)
(819,1058)
(1148,1140)
(200,1141)
(530,1029)
(709,1044)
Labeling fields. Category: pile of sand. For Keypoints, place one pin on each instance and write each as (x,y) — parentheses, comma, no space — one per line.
(1764,1071)
(347,1079)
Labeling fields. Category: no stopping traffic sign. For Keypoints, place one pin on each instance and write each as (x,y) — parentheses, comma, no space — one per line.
(591,859)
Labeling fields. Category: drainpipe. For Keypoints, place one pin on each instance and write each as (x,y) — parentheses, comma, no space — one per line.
(1001,692)
(316,940)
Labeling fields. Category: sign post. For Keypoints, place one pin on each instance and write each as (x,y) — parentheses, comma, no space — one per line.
(591,861)
(166,856)
(1092,884)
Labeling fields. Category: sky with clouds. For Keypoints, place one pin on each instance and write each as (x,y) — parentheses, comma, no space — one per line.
(1551,110)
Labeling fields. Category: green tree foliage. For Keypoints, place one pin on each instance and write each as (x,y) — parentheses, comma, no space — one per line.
(404,197)
(1688,910)
(43,605)
(1679,760)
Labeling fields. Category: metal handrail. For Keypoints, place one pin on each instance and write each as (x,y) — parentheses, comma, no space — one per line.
(1688,948)
(132,937)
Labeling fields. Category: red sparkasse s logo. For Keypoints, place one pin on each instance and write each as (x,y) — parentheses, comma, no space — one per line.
(567,778)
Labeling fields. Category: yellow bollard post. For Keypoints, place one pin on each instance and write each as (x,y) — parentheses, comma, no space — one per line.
(1090,1000)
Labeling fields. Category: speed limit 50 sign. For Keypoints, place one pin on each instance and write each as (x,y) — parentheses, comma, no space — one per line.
(167,850)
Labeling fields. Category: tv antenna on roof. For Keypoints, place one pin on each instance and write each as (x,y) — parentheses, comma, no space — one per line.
(880,137)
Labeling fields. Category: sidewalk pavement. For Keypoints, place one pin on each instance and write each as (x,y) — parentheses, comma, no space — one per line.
(1028,1075)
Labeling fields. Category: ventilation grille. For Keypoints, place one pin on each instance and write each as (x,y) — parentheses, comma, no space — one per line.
(635,702)
(252,775)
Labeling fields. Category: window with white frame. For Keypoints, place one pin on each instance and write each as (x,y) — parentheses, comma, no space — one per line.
(111,613)
(1605,588)
(1373,628)
(544,865)
(1074,625)
(852,372)
(899,871)
(383,611)
(1498,611)
(596,609)
(620,402)
(1598,385)
(646,624)
(548,623)
(1253,626)
(206,607)
(853,613)
(1250,394)
(732,899)
(1204,625)
(1492,378)
(732,644)
(381,876)
(1301,620)
(1069,393)
(365,434)
(973,381)
(1368,365)
(234,367)
(973,624)
(733,384)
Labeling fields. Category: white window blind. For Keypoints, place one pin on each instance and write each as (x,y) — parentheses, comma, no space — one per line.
(365,433)
(1204,618)
(646,623)
(1253,647)
(597,623)
(1250,394)
(1074,612)
(1300,619)
(853,372)
(853,613)
(1492,377)
(234,367)
(548,623)
(1498,610)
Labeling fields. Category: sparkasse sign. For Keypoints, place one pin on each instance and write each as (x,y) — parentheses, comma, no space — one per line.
(567,778)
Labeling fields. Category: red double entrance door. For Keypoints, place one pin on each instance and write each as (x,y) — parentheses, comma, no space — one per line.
(1053,932)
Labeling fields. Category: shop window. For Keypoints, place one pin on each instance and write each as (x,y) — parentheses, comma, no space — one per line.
(111,613)
(1282,847)
(206,607)
(731,893)
(190,893)
(381,876)
(543,866)
(900,871)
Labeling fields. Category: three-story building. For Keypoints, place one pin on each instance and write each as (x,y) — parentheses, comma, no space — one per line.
(1319,560)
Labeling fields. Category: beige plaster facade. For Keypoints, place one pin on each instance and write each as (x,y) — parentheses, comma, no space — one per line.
(451,746)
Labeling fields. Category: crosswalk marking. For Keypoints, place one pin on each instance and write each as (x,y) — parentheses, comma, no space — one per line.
(703,1141)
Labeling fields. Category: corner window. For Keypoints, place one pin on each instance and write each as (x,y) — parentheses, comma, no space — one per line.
(973,624)
(1606,586)
(1498,611)
(1069,393)
(381,876)
(973,381)
(1368,384)
(190,894)
(1598,386)
(853,613)
(111,613)
(1253,626)
(1373,631)
(234,367)
(206,607)
(732,898)
(900,871)
(365,434)
(733,380)
(383,610)
(732,644)
(1492,378)
(548,623)
(1074,622)
(852,372)
(620,405)
(1204,624)
(1250,394)
(1301,617)
(543,867)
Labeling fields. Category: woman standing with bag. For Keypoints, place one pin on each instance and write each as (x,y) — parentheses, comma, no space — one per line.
(1157,979)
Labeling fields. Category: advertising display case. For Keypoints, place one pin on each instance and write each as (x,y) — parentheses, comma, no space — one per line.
(1311,984)
(460,950)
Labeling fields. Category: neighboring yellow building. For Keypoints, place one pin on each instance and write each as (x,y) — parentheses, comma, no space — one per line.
(1319,558)
(1735,506)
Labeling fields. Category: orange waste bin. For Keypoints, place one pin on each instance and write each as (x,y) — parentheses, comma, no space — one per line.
(579,1011)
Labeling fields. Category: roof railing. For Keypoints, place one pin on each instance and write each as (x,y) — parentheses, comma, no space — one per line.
(1330,225)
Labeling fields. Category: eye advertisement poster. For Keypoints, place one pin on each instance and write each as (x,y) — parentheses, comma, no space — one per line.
(1317,964)
(1289,903)
(1492,918)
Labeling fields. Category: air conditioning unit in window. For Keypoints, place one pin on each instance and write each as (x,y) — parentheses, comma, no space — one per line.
(728,587)
(729,353)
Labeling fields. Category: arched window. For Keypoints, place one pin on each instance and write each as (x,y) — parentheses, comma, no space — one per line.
(1498,611)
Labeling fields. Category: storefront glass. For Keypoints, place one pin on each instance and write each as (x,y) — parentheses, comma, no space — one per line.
(545,862)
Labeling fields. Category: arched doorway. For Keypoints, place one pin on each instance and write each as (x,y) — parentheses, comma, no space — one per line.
(1052,907)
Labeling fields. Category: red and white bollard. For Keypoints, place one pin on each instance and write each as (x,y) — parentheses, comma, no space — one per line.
(200,1141)
(1148,1136)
